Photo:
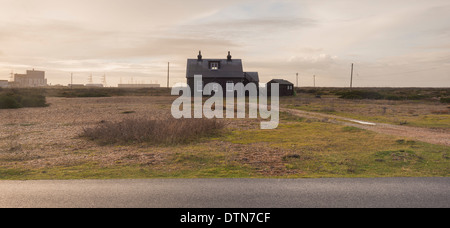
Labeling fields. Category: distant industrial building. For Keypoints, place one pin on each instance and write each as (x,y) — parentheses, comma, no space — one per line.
(32,78)
(139,86)
(4,83)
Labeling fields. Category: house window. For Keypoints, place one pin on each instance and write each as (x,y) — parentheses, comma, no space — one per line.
(230,86)
(214,65)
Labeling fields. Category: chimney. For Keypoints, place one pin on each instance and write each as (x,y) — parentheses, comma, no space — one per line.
(199,57)
(229,57)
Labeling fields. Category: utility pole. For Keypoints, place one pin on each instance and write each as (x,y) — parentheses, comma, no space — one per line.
(314,81)
(351,78)
(297,80)
(71,80)
(104,79)
(168,74)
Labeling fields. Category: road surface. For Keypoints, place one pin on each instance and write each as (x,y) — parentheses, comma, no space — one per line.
(228,193)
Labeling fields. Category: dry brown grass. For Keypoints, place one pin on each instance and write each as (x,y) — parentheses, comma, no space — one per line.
(153,131)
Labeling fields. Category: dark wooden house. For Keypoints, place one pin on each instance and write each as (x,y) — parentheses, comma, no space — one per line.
(286,88)
(225,72)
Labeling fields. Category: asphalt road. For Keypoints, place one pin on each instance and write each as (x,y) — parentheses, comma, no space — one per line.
(228,193)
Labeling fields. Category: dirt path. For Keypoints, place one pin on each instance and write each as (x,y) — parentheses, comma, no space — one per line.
(433,136)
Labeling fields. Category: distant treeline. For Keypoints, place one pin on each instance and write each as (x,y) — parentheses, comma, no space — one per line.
(106,92)
(442,94)
(35,97)
(90,92)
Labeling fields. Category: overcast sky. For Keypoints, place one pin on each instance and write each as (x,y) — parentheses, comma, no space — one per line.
(391,43)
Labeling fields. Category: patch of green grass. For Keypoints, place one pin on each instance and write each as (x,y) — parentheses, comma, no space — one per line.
(351,129)
(96,171)
(198,161)
(425,121)
(14,173)
(288,117)
(328,150)
(398,157)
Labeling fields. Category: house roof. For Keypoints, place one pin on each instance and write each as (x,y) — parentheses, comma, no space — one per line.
(280,81)
(228,69)
(252,76)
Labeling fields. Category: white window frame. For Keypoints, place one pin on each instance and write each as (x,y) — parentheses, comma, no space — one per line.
(214,65)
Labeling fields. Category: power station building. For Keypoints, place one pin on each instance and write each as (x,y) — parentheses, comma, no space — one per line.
(32,78)
(4,83)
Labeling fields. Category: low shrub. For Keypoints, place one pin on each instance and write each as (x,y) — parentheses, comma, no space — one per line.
(393,97)
(8,102)
(445,100)
(85,93)
(383,95)
(361,95)
(34,101)
(162,131)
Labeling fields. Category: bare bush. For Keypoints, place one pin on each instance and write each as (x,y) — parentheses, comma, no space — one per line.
(160,131)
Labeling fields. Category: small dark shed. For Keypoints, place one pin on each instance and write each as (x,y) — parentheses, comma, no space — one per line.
(286,87)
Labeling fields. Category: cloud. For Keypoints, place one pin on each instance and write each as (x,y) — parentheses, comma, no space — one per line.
(245,30)
(270,24)
(168,47)
(274,37)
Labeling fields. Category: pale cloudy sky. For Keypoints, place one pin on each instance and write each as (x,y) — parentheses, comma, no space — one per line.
(391,43)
